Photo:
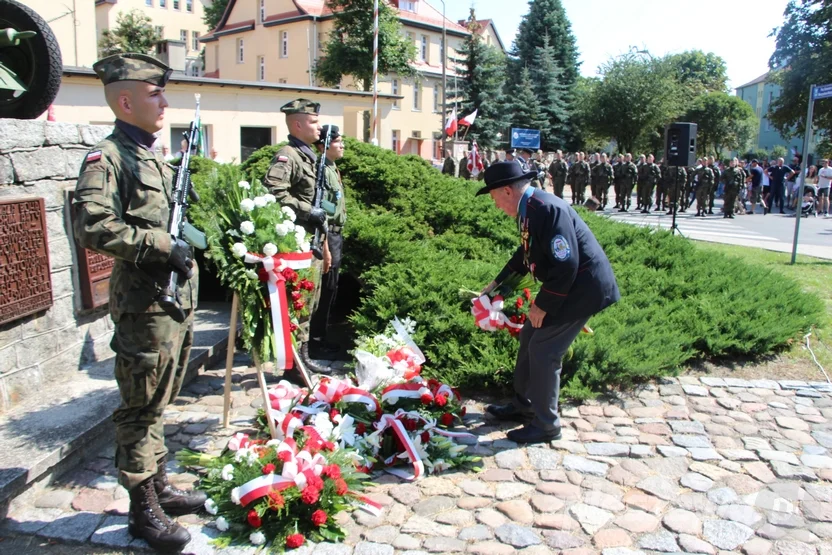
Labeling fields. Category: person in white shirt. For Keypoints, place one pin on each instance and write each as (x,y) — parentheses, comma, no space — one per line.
(824,181)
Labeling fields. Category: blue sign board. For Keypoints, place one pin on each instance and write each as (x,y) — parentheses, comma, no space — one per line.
(525,138)
(821,91)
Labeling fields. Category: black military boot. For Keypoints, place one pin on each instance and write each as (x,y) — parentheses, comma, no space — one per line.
(173,500)
(311,365)
(146,520)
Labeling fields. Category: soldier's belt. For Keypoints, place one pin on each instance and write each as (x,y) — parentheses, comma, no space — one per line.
(335,228)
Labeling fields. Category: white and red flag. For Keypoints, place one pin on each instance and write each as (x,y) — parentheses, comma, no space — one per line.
(474,161)
(469,119)
(451,125)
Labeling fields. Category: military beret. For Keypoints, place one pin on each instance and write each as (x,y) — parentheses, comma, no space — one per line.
(301,106)
(334,133)
(132,66)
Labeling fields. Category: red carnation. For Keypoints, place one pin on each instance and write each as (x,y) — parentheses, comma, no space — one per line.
(519,302)
(361,428)
(341,486)
(295,295)
(329,446)
(425,437)
(426,398)
(292,327)
(319,518)
(284,456)
(276,500)
(333,471)
(333,413)
(298,305)
(290,275)
(447,419)
(306,284)
(269,468)
(254,519)
(433,384)
(527,293)
(309,495)
(409,424)
(441,400)
(295,541)
(315,482)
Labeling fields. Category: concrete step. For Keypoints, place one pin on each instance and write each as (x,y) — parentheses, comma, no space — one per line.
(47,432)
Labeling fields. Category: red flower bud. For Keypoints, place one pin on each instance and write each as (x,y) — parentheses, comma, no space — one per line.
(276,500)
(527,293)
(333,413)
(441,400)
(447,419)
(294,541)
(463,412)
(269,468)
(254,519)
(519,302)
(298,305)
(341,487)
(361,428)
(295,295)
(292,327)
(290,275)
(425,437)
(319,518)
(262,275)
(333,471)
(426,398)
(309,495)
(284,456)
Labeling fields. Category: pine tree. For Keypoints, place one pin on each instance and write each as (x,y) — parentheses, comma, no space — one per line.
(524,107)
(480,77)
(551,93)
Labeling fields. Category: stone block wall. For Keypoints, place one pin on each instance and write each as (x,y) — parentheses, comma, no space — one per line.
(40,159)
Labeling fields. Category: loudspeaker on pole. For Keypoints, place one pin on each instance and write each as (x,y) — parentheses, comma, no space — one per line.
(680,144)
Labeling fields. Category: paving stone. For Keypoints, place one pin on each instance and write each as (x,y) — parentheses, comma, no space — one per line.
(660,541)
(444,545)
(659,486)
(370,548)
(404,541)
(692,544)
(75,527)
(105,482)
(118,507)
(563,540)
(619,475)
(691,440)
(497,475)
(456,517)
(517,510)
(546,503)
(726,534)
(704,454)
(471,503)
(567,492)
(511,459)
(695,390)
(740,513)
(824,438)
(612,537)
(682,522)
(603,500)
(697,482)
(476,488)
(791,472)
(642,451)
(791,423)
(478,532)
(709,470)
(756,546)
(637,522)
(695,502)
(778,456)
(28,520)
(543,459)
(816,461)
(54,499)
(814,450)
(608,449)
(434,485)
(510,490)
(591,518)
(421,525)
(722,496)
(490,518)
(92,500)
(739,454)
(687,427)
(817,511)
(820,492)
(382,534)
(406,494)
(643,501)
(760,471)
(789,547)
(584,465)
(672,451)
(556,521)
(517,536)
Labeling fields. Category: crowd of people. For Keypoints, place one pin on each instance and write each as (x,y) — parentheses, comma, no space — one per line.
(745,186)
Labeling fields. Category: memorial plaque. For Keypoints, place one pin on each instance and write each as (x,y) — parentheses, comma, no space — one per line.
(25,281)
(94,271)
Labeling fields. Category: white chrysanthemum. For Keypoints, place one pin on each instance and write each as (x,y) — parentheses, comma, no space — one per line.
(246,205)
(210,506)
(260,202)
(300,234)
(305,246)
(270,198)
(227,472)
(284,228)
(244,185)
(270,249)
(235,496)
(251,274)
(290,214)
(239,250)
(257,538)
(247,227)
(322,423)
(222,524)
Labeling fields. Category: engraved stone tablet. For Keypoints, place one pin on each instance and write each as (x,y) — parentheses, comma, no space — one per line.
(25,282)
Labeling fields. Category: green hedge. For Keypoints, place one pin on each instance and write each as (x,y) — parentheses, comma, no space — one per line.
(414,237)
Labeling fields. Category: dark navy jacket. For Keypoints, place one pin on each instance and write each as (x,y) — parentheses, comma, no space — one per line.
(576,278)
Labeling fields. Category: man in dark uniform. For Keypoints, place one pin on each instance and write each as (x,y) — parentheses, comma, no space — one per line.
(629,175)
(558,169)
(291,178)
(122,207)
(577,282)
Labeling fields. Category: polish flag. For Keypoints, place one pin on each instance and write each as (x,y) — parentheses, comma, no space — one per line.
(474,161)
(469,119)
(451,125)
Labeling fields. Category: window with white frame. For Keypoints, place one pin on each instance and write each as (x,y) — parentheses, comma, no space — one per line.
(395,144)
(163,3)
(417,104)
(262,11)
(183,36)
(261,68)
(195,40)
(423,49)
(408,5)
(189,5)
(436,97)
(175,4)
(148,3)
(240,51)
(394,89)
(284,44)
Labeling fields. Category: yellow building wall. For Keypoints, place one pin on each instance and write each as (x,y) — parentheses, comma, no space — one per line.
(171,20)
(73,23)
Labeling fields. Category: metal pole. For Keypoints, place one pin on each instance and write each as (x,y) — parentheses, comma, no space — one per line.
(807,137)
(444,81)
(374,139)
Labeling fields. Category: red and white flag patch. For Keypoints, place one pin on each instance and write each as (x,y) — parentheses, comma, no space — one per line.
(282,158)
(94,156)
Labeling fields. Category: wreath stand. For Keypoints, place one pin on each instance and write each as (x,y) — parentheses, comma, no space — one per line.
(261,379)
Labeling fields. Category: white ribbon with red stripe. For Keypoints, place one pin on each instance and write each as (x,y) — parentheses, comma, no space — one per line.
(274,265)
(488,314)
(394,421)
(412,390)
(296,472)
(284,395)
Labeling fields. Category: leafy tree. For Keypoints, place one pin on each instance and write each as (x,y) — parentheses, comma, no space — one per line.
(133,33)
(523,106)
(480,78)
(802,56)
(212,13)
(349,50)
(635,99)
(547,77)
(724,122)
(583,115)
(699,72)
(778,151)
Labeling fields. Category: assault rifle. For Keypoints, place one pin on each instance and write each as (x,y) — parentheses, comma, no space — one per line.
(320,184)
(178,227)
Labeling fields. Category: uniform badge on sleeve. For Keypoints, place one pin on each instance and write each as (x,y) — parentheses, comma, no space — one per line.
(282,158)
(560,248)
(94,156)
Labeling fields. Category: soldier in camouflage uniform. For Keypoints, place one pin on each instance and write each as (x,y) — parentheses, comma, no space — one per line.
(641,180)
(705,180)
(657,178)
(464,172)
(580,180)
(629,174)
(122,207)
(675,185)
(449,166)
(557,171)
(733,177)
(334,204)
(616,179)
(291,178)
(712,191)
(690,187)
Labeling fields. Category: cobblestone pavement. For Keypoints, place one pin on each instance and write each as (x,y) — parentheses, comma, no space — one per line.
(711,466)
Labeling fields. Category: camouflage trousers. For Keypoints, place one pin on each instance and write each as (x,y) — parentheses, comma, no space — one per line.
(644,194)
(152,353)
(303,322)
(702,198)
